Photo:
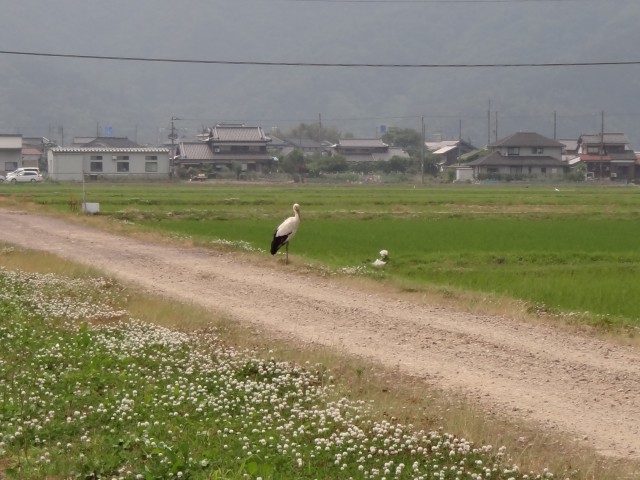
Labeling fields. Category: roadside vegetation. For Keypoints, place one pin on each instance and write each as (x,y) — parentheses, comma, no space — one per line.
(88,391)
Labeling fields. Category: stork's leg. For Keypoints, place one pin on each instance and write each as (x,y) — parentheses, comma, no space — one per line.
(287,259)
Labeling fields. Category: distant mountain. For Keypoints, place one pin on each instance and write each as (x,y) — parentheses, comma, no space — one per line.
(77,97)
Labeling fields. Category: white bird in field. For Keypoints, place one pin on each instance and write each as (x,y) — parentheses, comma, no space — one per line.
(286,231)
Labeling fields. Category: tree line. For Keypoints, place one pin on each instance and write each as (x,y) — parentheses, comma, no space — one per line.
(298,164)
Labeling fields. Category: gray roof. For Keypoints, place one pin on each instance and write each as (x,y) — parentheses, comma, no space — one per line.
(378,156)
(237,133)
(277,142)
(438,147)
(195,151)
(569,144)
(497,159)
(433,146)
(109,150)
(361,142)
(609,139)
(526,139)
(111,142)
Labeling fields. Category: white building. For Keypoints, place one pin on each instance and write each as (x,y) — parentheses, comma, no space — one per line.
(110,163)
(10,152)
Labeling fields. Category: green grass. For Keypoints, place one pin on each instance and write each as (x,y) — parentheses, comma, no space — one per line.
(88,392)
(572,252)
(569,265)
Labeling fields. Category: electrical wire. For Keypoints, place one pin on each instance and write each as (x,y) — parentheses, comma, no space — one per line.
(314,64)
(435,1)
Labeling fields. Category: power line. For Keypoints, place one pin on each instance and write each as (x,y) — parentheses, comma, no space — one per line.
(434,1)
(314,64)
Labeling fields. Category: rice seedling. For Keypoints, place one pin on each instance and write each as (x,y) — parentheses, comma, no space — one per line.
(568,255)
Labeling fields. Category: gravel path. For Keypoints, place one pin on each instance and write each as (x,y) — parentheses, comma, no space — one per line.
(565,382)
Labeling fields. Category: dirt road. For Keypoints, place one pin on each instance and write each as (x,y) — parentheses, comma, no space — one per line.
(566,382)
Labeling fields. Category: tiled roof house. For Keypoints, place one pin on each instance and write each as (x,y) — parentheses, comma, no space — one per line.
(608,156)
(226,145)
(449,151)
(366,150)
(521,155)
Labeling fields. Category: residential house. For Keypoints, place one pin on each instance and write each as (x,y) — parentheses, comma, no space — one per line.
(33,151)
(227,145)
(448,152)
(366,150)
(608,156)
(194,154)
(569,147)
(31,156)
(11,153)
(570,151)
(521,155)
(112,163)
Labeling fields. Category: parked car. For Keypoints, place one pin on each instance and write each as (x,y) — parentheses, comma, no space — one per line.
(200,177)
(24,169)
(24,176)
(2,179)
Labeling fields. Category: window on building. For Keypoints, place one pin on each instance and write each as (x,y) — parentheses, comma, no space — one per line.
(515,170)
(537,150)
(151,167)
(543,169)
(122,167)
(10,166)
(492,170)
(96,157)
(95,166)
(151,157)
(594,150)
(513,151)
(239,148)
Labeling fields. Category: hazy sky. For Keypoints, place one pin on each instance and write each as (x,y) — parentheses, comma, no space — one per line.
(40,95)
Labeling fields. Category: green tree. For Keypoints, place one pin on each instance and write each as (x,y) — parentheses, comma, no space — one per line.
(408,139)
(328,164)
(295,165)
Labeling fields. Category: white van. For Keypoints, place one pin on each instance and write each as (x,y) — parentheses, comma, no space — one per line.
(24,169)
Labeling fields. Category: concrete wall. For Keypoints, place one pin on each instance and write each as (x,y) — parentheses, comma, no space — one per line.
(68,164)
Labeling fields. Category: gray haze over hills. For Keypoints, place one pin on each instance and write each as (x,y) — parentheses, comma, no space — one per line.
(52,96)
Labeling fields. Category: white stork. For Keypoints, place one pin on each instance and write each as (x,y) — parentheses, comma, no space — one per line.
(286,231)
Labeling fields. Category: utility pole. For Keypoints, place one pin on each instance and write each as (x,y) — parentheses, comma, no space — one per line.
(601,141)
(459,139)
(422,152)
(173,136)
(555,126)
(489,124)
(496,132)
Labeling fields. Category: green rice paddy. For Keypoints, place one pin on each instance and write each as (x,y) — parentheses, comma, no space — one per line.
(566,249)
